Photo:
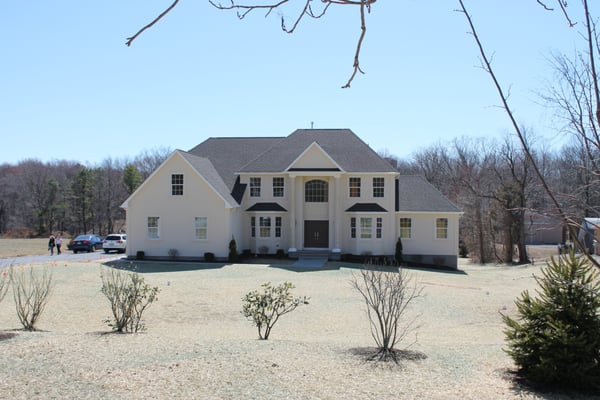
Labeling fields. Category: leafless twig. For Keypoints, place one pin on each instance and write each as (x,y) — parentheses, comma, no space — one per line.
(307,10)
(138,33)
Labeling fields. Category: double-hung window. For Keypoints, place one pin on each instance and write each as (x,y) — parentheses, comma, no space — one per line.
(278,187)
(378,187)
(379,228)
(353,228)
(405,228)
(253,226)
(354,186)
(265,226)
(201,228)
(277,226)
(441,228)
(152,228)
(366,224)
(254,187)
(177,184)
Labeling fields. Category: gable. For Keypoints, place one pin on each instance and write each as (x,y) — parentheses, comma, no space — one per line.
(314,158)
(158,183)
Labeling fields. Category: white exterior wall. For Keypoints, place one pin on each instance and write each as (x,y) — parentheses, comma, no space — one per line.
(176,215)
(273,243)
(387,244)
(423,239)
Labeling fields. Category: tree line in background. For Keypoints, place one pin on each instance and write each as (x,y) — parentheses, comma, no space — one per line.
(490,180)
(493,182)
(39,198)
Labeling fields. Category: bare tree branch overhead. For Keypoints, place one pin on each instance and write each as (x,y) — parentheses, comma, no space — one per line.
(161,15)
(307,10)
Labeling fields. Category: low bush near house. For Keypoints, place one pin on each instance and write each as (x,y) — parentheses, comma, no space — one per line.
(233,253)
(129,297)
(266,307)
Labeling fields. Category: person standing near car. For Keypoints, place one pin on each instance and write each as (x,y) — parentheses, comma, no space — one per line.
(51,244)
(58,242)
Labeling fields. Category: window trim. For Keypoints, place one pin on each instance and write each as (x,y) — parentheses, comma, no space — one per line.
(352,227)
(255,184)
(253,226)
(363,228)
(156,227)
(409,228)
(378,228)
(317,196)
(439,229)
(278,224)
(354,184)
(267,227)
(278,187)
(197,228)
(176,186)
(380,186)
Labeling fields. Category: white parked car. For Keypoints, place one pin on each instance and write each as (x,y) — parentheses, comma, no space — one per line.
(115,241)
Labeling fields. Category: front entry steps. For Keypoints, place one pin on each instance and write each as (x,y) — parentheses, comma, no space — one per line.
(313,258)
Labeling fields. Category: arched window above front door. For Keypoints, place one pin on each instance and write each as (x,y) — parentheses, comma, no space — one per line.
(315,191)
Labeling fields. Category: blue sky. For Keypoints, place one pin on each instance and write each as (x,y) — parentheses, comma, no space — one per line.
(70,88)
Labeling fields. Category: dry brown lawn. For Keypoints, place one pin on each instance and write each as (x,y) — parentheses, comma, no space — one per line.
(199,346)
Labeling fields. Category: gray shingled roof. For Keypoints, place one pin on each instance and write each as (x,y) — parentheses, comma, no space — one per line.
(229,155)
(342,145)
(416,194)
(205,168)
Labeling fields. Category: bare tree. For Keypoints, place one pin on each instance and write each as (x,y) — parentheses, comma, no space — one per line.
(304,9)
(593,50)
(31,291)
(387,294)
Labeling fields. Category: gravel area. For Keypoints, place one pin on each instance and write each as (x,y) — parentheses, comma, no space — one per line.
(199,346)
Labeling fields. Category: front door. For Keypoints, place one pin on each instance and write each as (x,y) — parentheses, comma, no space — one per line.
(316,234)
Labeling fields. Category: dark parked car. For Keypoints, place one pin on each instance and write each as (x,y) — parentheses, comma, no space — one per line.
(87,243)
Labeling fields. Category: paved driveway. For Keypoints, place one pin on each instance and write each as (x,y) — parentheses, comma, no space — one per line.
(68,256)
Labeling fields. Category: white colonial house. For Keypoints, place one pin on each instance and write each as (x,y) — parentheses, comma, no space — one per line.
(315,190)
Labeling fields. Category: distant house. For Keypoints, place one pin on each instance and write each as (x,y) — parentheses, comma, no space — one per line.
(315,190)
(589,234)
(543,229)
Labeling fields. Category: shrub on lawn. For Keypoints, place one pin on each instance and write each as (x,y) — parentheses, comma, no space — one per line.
(387,294)
(556,337)
(266,307)
(31,290)
(129,297)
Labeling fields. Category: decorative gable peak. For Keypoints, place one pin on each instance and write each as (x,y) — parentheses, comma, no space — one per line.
(314,158)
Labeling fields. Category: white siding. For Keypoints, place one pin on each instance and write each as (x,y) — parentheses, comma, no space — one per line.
(177,215)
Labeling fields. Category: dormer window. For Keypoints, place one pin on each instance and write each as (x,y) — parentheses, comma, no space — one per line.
(177,184)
